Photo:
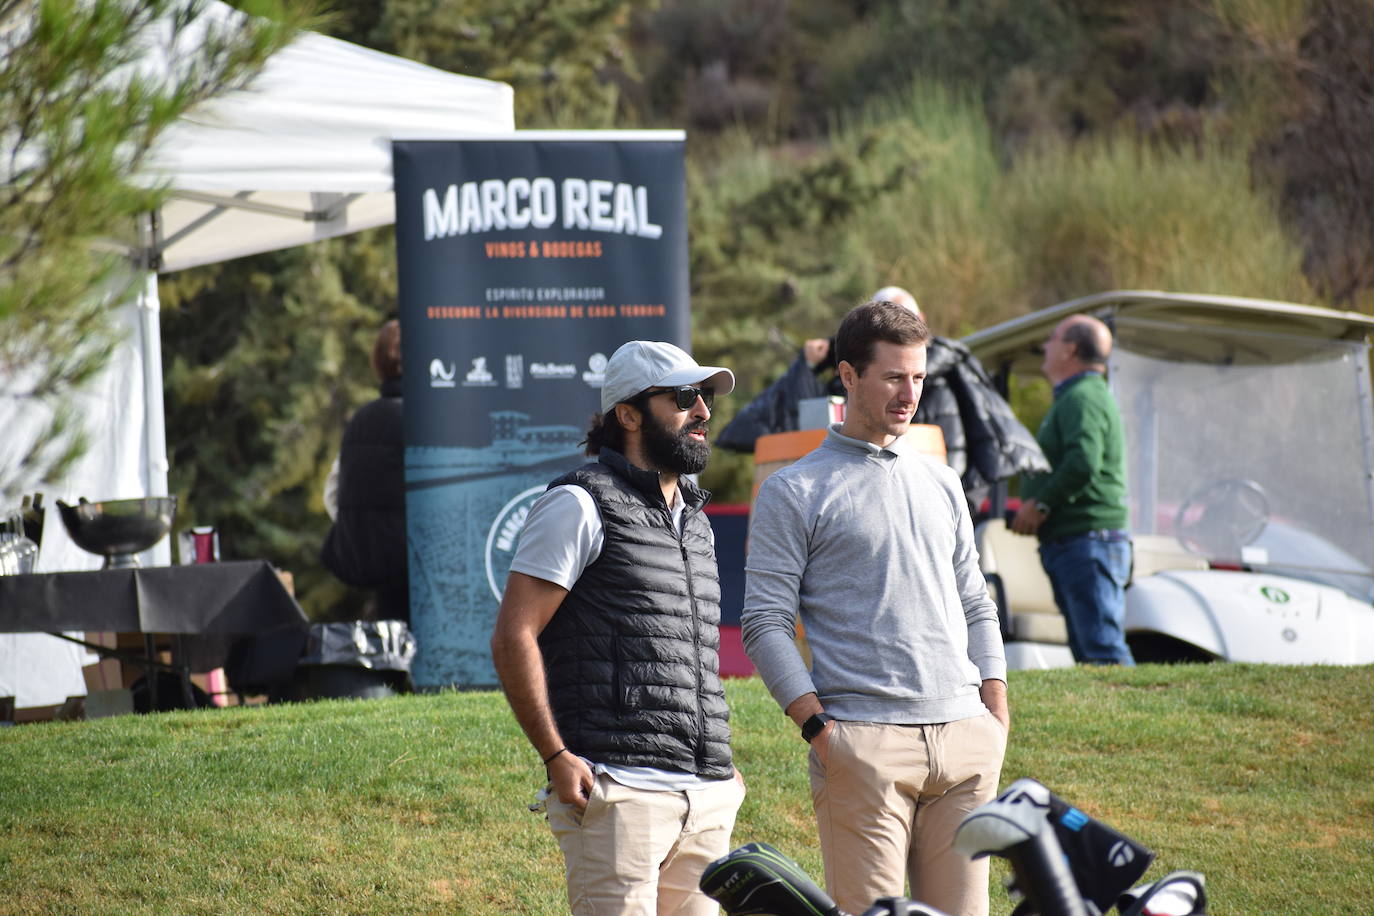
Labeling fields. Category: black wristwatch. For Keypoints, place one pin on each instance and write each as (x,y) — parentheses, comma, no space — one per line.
(814,726)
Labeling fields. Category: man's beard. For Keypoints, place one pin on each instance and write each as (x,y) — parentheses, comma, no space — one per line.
(679,454)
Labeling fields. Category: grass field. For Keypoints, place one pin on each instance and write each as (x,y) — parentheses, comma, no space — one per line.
(1260,777)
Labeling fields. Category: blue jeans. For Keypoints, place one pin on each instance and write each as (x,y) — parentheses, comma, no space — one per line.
(1089,573)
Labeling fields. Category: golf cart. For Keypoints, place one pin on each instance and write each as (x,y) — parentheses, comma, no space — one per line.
(1250,470)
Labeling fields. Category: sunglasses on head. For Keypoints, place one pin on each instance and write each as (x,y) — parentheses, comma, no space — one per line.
(684,396)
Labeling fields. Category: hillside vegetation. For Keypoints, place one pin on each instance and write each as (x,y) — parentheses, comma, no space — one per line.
(993,157)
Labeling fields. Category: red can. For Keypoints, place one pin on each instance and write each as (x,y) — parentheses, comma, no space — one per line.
(200,545)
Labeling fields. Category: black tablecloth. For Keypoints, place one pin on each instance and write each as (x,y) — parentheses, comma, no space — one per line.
(205,599)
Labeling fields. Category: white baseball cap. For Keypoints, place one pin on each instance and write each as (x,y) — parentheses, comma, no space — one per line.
(642,364)
(898,295)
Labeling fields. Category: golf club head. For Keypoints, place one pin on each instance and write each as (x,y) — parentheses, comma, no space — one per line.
(757,880)
(1179,893)
(1103,861)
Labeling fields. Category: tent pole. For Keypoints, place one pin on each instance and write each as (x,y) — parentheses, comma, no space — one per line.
(154,428)
(149,257)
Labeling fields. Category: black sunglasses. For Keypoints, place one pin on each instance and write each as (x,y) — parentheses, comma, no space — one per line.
(684,396)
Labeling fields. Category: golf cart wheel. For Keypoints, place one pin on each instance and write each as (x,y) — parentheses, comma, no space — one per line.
(1148,648)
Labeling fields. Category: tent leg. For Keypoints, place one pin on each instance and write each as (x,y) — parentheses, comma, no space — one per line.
(154,428)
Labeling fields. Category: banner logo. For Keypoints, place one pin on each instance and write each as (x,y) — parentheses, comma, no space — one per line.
(504,535)
(553,370)
(515,371)
(479,376)
(439,377)
(589,205)
(596,374)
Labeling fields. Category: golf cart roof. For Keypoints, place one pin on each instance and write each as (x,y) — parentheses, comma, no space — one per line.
(1015,344)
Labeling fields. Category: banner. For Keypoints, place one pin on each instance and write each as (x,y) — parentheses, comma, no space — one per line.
(525,261)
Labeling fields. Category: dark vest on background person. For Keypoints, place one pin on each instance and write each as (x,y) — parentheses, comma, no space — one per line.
(631,655)
(366,546)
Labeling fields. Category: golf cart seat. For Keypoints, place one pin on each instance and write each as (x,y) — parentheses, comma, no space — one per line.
(1152,553)
(1025,600)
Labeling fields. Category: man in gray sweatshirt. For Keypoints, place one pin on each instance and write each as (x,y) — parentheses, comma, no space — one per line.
(905,707)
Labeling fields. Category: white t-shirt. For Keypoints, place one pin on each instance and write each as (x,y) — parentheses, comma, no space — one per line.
(561,538)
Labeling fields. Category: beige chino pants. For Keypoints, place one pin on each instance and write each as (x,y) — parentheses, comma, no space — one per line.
(888,803)
(640,853)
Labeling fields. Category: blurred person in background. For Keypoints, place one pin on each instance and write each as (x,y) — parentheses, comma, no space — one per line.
(1078,510)
(365,492)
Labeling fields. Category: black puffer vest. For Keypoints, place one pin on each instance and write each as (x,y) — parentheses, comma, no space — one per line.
(632,654)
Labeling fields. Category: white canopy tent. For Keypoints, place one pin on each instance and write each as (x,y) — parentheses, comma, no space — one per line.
(303,154)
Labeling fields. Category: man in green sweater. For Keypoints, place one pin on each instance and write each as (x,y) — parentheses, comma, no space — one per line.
(1078,510)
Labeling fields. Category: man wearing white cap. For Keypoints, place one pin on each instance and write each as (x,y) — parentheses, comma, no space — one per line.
(607,644)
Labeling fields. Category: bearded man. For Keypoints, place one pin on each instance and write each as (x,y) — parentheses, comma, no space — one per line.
(607,640)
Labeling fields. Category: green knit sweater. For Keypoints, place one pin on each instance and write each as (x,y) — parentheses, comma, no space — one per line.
(1083,440)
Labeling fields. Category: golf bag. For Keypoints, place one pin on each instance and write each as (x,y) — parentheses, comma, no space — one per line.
(1064,863)
(1101,862)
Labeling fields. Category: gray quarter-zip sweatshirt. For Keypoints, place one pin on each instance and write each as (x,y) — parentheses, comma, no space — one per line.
(873,548)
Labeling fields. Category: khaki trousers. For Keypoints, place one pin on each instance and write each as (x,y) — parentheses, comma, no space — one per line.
(639,853)
(888,803)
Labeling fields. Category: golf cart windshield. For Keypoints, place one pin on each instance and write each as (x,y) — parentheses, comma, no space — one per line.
(1250,448)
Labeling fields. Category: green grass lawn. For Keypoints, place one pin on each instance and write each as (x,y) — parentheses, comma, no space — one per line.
(1260,777)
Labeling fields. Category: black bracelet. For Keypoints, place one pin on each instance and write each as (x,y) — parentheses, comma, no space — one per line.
(554,754)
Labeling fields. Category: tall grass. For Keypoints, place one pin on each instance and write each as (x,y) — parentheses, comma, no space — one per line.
(980,236)
(1111,213)
(943,237)
(983,235)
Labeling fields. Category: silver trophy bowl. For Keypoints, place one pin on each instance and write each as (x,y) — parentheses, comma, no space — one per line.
(119,529)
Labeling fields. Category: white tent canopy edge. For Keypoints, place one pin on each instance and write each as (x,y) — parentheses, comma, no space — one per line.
(301,155)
